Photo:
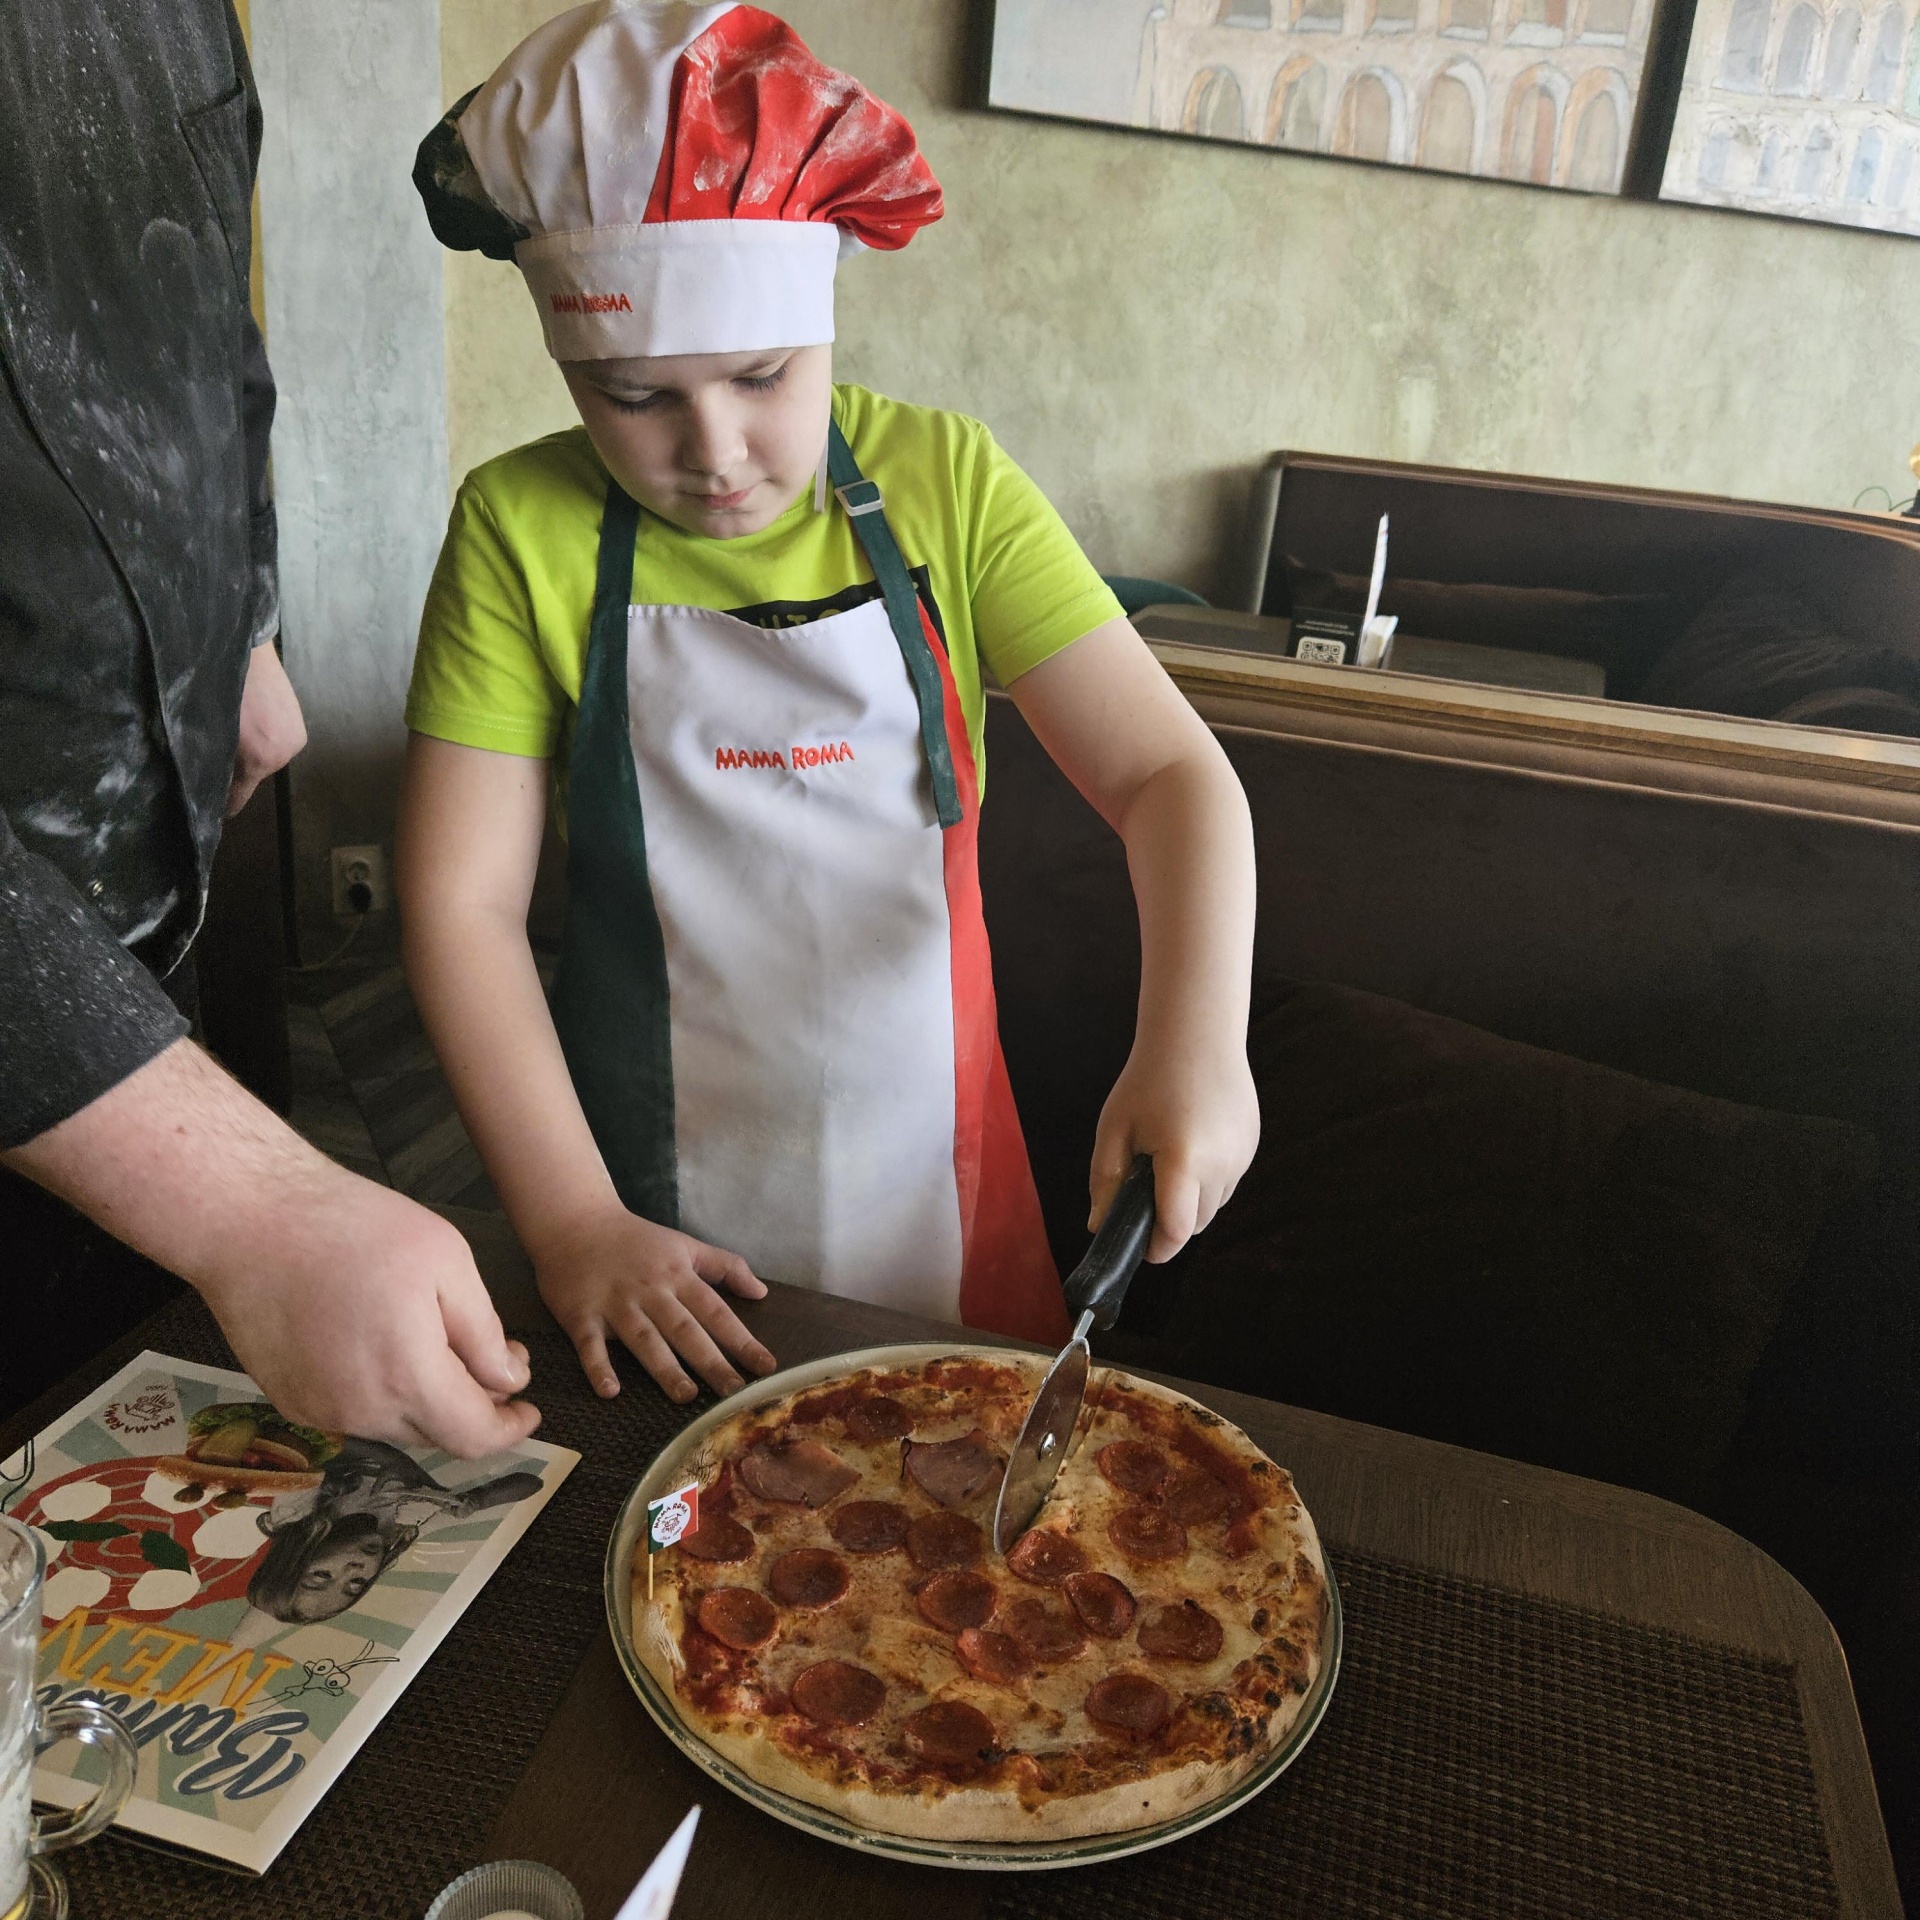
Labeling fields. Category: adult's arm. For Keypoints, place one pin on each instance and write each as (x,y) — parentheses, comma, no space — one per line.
(1122,732)
(354,1308)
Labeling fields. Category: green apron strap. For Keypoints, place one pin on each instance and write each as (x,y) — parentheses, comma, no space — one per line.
(610,1004)
(861,499)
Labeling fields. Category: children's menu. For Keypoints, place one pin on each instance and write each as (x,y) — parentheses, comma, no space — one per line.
(250,1595)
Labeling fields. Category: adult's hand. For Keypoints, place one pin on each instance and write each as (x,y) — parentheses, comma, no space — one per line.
(355,1309)
(372,1320)
(272,727)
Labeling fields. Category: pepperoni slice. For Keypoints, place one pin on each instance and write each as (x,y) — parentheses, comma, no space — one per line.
(1193,1496)
(798,1473)
(950,1733)
(1103,1603)
(1045,1637)
(1043,1557)
(994,1657)
(878,1418)
(956,1600)
(1184,1632)
(869,1526)
(1128,1703)
(738,1617)
(952,1472)
(833,1693)
(808,1577)
(1147,1533)
(937,1540)
(1132,1466)
(719,1539)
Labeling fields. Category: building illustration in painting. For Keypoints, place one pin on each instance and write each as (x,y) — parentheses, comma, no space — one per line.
(1536,90)
(1802,109)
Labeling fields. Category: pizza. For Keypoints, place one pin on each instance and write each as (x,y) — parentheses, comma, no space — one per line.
(838,1626)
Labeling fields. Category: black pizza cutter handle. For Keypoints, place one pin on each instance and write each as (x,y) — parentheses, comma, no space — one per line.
(1099,1283)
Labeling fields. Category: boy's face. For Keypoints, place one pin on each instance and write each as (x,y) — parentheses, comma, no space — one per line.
(718,443)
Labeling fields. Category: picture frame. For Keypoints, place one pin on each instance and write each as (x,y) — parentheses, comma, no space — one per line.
(1805,109)
(1545,92)
(1797,109)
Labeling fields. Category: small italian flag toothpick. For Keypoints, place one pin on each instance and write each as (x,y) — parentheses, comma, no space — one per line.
(668,1519)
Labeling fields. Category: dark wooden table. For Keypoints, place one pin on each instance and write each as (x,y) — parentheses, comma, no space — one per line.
(606,1787)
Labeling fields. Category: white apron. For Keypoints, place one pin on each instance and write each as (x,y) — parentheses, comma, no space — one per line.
(775,993)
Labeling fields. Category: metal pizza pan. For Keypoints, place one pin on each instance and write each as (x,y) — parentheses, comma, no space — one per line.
(669,1469)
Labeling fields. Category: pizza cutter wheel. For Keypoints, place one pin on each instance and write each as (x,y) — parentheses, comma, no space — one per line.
(1095,1290)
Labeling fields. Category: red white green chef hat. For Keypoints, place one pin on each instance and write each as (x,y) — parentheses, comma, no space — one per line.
(674,179)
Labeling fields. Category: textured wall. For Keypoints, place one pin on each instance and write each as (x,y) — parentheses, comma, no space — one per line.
(501,387)
(353,284)
(1142,319)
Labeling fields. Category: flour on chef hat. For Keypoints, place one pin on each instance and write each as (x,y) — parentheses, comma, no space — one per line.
(674,179)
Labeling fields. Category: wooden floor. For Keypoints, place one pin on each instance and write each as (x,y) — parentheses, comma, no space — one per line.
(368,1090)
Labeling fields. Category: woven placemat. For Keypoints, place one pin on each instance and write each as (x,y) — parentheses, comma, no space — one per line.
(1486,1753)
(1489,1754)
(415,1805)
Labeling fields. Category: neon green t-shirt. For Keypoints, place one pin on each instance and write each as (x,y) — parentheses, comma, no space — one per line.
(504,635)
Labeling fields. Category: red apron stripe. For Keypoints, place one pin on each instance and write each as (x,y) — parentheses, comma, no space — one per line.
(1008,1281)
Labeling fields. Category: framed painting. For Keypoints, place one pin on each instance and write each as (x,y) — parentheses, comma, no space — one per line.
(1807,108)
(1542,91)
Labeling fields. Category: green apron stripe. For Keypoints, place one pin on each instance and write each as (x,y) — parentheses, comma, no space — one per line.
(610,997)
(861,499)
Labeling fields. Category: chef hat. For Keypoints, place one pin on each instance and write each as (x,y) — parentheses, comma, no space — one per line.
(674,179)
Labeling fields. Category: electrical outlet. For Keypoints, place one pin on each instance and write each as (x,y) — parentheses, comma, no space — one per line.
(359,880)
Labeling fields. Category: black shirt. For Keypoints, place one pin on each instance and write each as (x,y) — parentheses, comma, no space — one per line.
(136,529)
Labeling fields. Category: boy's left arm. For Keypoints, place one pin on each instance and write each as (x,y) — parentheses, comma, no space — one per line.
(1120,730)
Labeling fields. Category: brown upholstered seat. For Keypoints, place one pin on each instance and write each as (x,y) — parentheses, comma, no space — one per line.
(1313,518)
(1741,944)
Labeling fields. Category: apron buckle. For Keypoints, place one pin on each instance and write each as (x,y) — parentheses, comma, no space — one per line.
(859,496)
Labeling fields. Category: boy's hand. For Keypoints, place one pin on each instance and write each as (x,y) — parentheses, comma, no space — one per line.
(657,1291)
(1199,1117)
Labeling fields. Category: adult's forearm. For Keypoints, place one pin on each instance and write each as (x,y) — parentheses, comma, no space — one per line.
(479,994)
(180,1162)
(1189,841)
(354,1309)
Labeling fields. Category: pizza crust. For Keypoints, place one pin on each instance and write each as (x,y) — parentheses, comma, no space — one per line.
(939,1811)
(984,1814)
(1278,1576)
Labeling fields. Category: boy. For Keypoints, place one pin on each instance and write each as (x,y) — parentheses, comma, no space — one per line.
(741,616)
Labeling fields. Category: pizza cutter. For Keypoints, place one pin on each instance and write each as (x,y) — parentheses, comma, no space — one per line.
(1094,1290)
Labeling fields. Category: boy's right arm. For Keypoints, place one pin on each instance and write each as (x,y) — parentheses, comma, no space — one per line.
(467,850)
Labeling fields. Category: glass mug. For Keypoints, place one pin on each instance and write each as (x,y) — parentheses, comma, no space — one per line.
(25,1731)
